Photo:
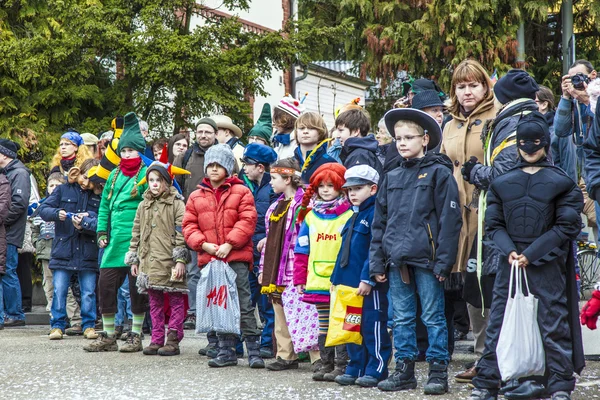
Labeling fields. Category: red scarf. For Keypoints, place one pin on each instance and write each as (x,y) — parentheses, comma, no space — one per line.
(130,166)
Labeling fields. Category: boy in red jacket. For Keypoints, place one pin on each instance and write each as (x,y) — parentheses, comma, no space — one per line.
(219,221)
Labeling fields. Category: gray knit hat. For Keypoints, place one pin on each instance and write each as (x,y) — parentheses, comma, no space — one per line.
(220,154)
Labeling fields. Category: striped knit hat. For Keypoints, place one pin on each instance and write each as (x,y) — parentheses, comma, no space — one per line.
(291,106)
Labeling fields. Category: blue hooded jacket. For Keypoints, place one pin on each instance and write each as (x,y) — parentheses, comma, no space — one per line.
(358,231)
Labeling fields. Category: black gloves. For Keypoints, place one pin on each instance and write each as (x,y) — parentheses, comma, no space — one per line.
(468,167)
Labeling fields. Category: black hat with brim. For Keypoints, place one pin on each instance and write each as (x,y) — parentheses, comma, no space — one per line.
(421,118)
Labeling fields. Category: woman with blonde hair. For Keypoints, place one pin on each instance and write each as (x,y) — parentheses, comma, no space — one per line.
(71,153)
(471,104)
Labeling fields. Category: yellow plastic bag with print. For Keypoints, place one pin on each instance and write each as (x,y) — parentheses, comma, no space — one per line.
(345,316)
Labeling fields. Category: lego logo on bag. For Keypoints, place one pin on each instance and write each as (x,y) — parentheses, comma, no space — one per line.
(353,319)
(217,297)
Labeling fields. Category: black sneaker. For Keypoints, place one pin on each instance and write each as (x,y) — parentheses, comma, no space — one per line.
(402,379)
(282,365)
(345,380)
(190,322)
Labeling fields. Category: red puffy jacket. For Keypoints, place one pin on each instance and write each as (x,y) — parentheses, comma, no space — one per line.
(231,219)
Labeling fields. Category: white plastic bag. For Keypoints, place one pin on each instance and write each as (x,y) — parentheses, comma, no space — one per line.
(520,350)
(217,302)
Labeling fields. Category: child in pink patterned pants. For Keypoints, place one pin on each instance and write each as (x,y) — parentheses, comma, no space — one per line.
(157,255)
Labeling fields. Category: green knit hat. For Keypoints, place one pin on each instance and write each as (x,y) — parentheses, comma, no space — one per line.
(132,135)
(263,128)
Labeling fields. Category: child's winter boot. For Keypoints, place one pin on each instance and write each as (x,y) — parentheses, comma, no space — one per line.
(341,360)
(253,347)
(212,349)
(327,357)
(403,378)
(437,382)
(171,348)
(226,356)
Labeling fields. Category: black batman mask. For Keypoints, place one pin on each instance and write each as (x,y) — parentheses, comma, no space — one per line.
(533,127)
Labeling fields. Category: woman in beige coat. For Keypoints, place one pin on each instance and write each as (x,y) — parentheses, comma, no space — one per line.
(472,103)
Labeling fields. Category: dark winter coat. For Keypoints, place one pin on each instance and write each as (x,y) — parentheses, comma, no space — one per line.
(193,161)
(263,198)
(319,158)
(417,217)
(358,231)
(361,150)
(501,134)
(4,207)
(72,249)
(20,186)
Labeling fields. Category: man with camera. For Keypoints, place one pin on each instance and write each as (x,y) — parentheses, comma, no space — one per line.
(573,115)
(574,119)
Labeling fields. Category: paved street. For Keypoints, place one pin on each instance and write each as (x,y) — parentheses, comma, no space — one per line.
(32,367)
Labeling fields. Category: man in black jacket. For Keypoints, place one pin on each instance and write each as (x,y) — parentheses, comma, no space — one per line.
(11,313)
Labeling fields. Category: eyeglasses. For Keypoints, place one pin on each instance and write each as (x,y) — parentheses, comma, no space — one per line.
(407,138)
(205,133)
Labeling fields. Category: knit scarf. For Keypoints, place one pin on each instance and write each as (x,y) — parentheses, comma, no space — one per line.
(130,166)
(336,206)
(67,163)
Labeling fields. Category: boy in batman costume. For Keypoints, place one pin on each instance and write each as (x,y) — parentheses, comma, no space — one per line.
(533,215)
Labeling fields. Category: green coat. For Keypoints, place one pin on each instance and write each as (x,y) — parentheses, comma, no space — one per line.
(115,217)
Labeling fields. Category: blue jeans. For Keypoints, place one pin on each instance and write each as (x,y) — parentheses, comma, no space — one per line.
(431,294)
(1,302)
(123,304)
(265,310)
(87,285)
(11,286)
(193,276)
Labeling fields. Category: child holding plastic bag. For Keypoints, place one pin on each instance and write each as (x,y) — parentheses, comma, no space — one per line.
(317,247)
(157,256)
(276,265)
(533,215)
(219,221)
(368,361)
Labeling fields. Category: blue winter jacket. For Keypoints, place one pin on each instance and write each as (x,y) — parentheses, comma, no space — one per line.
(567,124)
(319,158)
(72,249)
(357,269)
(263,198)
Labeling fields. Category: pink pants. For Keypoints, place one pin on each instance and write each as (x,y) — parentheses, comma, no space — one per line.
(157,314)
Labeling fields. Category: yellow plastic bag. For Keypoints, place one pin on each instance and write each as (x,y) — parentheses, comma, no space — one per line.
(344,317)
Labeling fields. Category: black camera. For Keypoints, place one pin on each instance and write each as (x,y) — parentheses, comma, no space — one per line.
(579,80)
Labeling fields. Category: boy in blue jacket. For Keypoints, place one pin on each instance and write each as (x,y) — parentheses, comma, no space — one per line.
(368,362)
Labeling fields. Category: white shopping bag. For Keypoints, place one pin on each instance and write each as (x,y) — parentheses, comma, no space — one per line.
(217,302)
(520,350)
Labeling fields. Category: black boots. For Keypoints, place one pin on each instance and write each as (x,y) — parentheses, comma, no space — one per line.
(211,350)
(341,360)
(437,382)
(226,356)
(403,378)
(327,357)
(253,347)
